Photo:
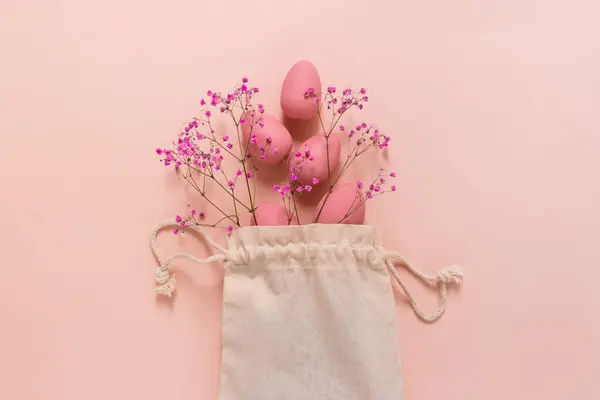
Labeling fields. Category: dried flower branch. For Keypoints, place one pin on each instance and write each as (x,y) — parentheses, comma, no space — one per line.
(199,151)
(202,156)
(361,139)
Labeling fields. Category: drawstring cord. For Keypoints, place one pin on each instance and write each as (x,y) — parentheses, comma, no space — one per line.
(444,277)
(165,281)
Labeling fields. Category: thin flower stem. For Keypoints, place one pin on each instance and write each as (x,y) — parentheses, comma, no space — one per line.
(217,223)
(331,184)
(326,148)
(288,212)
(296,208)
(347,163)
(243,155)
(254,189)
(213,139)
(363,201)
(196,223)
(218,183)
(195,186)
(237,216)
(232,189)
(349,159)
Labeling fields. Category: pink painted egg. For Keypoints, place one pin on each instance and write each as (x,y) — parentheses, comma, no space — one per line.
(295,105)
(269,140)
(343,206)
(315,164)
(271,214)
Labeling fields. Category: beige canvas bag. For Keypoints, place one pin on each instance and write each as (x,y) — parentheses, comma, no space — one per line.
(308,312)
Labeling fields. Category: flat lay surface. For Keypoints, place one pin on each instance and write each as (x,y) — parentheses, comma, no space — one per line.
(493,112)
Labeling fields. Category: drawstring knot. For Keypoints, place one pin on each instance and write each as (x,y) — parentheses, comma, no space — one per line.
(165,281)
(450,275)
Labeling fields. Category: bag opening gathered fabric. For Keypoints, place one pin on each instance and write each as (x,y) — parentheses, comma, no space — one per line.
(308,312)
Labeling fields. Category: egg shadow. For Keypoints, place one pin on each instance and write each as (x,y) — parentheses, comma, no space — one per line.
(301,130)
(270,174)
(165,301)
(313,197)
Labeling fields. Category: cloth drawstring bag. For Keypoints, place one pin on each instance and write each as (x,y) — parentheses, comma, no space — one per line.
(308,312)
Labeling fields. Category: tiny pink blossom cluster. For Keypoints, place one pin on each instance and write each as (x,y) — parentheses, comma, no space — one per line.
(367,135)
(379,185)
(227,102)
(266,148)
(341,103)
(194,218)
(296,169)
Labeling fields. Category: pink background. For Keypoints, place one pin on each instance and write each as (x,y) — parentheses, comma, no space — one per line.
(493,109)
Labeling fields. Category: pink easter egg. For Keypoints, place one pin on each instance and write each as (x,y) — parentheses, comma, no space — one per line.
(271,214)
(315,165)
(269,141)
(343,206)
(295,105)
